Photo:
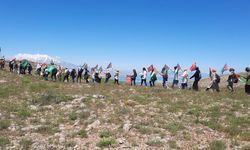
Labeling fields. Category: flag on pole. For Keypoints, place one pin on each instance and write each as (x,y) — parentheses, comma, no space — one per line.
(96,67)
(150,68)
(225,68)
(178,66)
(85,66)
(193,67)
(166,67)
(100,69)
(109,66)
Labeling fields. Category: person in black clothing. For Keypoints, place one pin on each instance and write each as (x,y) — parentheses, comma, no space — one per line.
(73,75)
(11,66)
(108,76)
(86,75)
(79,74)
(197,77)
(97,78)
(30,68)
(133,77)
(232,78)
(247,85)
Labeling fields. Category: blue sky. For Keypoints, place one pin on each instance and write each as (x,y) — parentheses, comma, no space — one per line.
(130,33)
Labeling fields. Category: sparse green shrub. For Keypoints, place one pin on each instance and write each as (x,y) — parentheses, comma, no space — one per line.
(4,141)
(4,124)
(106,142)
(217,145)
(83,133)
(26,143)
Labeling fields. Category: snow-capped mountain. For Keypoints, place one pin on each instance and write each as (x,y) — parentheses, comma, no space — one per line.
(43,58)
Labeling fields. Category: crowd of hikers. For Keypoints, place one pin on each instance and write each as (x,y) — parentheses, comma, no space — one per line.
(96,74)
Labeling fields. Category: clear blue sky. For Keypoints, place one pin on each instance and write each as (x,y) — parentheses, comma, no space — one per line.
(130,33)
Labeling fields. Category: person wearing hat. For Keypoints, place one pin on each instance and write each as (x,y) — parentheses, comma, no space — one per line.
(215,80)
(232,78)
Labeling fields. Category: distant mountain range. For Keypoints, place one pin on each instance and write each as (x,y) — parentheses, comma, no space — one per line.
(43,58)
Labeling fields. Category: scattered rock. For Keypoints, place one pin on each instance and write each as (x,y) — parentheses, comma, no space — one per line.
(127,126)
(93,125)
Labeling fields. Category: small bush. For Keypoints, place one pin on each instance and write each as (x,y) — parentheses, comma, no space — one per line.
(4,124)
(72,116)
(174,127)
(105,134)
(156,143)
(217,145)
(26,143)
(83,133)
(4,141)
(172,144)
(49,98)
(106,142)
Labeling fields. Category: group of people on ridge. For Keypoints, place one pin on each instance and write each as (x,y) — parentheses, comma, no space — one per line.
(57,72)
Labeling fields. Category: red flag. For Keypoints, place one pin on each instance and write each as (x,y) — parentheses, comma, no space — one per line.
(225,68)
(109,66)
(193,67)
(150,68)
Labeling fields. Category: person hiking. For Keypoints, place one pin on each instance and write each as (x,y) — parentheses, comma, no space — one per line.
(215,80)
(232,78)
(79,75)
(116,77)
(86,75)
(144,76)
(73,75)
(197,78)
(184,82)
(11,66)
(38,69)
(164,74)
(29,68)
(247,85)
(107,76)
(66,76)
(176,76)
(153,78)
(133,77)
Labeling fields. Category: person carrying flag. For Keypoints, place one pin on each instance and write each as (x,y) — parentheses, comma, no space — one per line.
(232,78)
(133,77)
(176,76)
(116,77)
(184,83)
(79,74)
(215,80)
(164,74)
(153,78)
(197,78)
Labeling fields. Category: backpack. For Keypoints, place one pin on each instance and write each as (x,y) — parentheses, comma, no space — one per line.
(217,78)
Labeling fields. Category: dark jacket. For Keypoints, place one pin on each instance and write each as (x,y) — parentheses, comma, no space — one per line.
(197,75)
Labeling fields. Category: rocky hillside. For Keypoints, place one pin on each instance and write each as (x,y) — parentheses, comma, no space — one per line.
(41,115)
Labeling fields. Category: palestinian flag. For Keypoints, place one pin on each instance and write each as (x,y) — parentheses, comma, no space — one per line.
(225,68)
(109,66)
(100,69)
(150,68)
(96,67)
(193,67)
(165,67)
(85,66)
(241,78)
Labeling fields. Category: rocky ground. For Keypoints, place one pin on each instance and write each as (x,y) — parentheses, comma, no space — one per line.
(37,114)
